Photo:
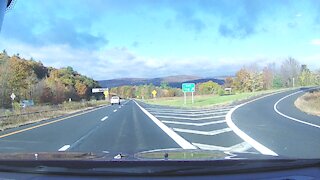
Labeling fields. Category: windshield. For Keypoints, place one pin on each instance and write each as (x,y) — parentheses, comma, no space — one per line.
(165,79)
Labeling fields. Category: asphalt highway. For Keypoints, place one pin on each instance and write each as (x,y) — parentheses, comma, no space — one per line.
(276,123)
(116,129)
(269,125)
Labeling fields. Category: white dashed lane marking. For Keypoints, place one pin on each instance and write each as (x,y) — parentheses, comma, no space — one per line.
(64,148)
(103,119)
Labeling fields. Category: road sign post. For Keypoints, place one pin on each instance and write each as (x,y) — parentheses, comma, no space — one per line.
(192,97)
(188,87)
(13,96)
(154,93)
(106,94)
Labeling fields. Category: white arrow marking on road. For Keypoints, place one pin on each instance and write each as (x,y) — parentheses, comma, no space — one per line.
(115,110)
(194,124)
(241,147)
(103,119)
(188,114)
(186,111)
(64,148)
(191,118)
(208,133)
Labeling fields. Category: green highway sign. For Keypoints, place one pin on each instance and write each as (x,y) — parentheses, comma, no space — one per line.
(188,87)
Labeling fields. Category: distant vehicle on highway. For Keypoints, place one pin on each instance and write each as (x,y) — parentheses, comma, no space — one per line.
(115,100)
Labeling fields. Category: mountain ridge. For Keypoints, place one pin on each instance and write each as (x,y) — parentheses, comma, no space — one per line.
(173,81)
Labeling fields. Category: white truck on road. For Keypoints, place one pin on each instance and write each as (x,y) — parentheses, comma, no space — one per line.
(115,100)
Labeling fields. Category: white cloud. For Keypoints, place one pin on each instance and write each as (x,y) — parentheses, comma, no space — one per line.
(120,62)
(315,42)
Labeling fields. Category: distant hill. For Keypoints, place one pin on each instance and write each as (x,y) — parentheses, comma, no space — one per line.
(174,81)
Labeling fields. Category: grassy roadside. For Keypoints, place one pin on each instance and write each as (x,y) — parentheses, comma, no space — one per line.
(208,100)
(309,103)
(29,115)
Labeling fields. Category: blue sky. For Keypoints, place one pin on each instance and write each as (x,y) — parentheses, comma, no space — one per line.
(107,39)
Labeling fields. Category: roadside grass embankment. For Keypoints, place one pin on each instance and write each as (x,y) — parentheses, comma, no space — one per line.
(309,103)
(23,116)
(201,101)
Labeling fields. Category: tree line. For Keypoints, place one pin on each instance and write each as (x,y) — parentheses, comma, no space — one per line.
(29,79)
(164,90)
(249,78)
(145,91)
(290,74)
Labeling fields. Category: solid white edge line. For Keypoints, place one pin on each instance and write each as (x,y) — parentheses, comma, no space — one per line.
(64,148)
(259,147)
(173,135)
(289,117)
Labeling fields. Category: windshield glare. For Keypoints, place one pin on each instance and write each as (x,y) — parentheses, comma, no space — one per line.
(160,79)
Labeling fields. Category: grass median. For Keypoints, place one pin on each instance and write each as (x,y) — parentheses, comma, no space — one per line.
(20,117)
(309,103)
(208,100)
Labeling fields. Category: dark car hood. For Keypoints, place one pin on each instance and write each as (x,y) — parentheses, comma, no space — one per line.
(159,154)
(155,162)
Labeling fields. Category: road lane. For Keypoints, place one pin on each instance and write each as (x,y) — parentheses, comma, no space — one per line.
(286,107)
(282,135)
(128,130)
(53,136)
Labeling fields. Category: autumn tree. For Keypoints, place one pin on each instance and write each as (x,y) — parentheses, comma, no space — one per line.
(277,82)
(29,79)
(242,80)
(5,74)
(289,73)
(209,87)
(268,74)
(81,89)
(229,82)
(306,77)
